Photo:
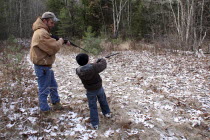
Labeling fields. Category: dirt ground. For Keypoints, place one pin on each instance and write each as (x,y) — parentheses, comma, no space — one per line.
(151,96)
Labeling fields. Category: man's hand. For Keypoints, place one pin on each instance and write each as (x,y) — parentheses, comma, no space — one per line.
(68,43)
(61,40)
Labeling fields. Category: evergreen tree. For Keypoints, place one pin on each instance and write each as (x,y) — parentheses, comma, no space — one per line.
(3,25)
(92,43)
(55,6)
(92,15)
(138,23)
(64,24)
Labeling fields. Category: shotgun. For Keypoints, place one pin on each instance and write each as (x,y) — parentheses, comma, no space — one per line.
(65,41)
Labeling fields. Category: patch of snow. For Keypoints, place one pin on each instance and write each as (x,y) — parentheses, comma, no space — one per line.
(10,125)
(109,133)
(32,119)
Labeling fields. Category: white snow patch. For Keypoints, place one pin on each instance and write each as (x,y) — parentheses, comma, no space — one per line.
(109,133)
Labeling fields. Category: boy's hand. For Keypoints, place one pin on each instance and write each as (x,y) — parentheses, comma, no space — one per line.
(99,60)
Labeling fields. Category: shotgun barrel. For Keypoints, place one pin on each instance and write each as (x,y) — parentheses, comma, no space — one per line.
(111,55)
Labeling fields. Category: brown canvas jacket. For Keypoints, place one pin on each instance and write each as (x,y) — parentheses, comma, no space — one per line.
(43,47)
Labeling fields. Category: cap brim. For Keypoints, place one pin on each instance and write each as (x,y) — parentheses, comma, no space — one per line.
(55,19)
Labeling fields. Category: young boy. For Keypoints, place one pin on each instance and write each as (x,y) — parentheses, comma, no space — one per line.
(89,75)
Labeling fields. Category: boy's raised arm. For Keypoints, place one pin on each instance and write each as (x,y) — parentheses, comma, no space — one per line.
(100,65)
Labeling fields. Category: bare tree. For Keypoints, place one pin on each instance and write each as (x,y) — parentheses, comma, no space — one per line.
(117,8)
(21,14)
(189,28)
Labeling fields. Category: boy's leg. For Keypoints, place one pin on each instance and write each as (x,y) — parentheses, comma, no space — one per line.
(103,102)
(43,75)
(54,89)
(92,102)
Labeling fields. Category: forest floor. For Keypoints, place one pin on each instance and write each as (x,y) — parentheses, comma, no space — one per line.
(151,96)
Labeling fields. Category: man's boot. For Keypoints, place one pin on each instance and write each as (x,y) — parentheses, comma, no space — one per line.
(57,106)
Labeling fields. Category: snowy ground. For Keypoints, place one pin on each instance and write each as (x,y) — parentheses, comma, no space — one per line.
(157,97)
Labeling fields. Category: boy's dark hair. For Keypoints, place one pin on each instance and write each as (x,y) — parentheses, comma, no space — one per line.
(82,59)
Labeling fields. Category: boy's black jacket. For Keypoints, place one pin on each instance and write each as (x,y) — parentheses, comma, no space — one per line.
(89,74)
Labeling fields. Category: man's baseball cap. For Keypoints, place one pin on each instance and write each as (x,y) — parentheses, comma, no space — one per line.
(50,15)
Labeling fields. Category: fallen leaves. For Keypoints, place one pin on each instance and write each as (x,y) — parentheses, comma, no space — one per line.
(146,93)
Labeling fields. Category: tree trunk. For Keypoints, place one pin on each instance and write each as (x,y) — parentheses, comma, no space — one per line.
(186,23)
(117,12)
(20,18)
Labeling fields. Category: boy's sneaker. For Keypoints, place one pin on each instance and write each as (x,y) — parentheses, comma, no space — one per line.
(95,127)
(108,115)
(57,106)
(45,113)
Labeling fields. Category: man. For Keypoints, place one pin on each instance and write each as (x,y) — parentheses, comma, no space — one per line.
(42,54)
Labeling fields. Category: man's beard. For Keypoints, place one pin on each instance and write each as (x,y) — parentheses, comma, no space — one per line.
(49,27)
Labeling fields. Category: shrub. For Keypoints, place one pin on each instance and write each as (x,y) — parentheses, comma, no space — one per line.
(91,43)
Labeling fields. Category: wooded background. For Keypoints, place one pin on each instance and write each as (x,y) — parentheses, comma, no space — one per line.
(186,22)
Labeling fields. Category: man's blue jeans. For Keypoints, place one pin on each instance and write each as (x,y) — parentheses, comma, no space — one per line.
(47,85)
(92,102)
